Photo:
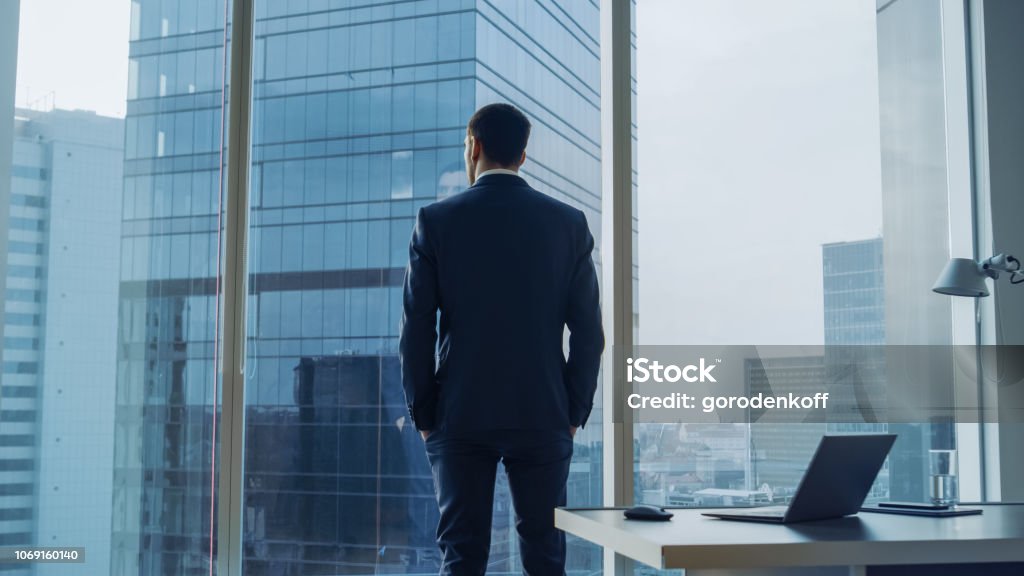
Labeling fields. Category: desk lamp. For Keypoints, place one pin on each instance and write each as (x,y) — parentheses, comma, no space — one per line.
(965,277)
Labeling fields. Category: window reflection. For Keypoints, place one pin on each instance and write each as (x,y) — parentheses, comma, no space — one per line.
(359,118)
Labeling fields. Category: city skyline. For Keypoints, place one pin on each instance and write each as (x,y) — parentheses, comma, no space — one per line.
(845,20)
(349,141)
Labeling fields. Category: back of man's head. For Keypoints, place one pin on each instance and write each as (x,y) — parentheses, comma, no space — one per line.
(502,130)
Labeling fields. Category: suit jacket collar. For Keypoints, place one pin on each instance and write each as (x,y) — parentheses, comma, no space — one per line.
(499,179)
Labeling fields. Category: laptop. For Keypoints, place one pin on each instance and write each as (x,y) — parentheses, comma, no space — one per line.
(835,485)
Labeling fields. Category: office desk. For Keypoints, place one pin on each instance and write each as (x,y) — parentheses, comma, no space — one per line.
(699,543)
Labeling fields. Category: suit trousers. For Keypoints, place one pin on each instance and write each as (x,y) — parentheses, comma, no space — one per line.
(464,467)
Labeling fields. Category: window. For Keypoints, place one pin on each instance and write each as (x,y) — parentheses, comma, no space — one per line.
(368,127)
(358,116)
(108,325)
(812,214)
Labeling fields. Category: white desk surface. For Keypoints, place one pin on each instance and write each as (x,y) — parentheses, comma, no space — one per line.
(693,541)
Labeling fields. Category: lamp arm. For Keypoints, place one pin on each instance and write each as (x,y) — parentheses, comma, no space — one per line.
(1002,263)
(991,267)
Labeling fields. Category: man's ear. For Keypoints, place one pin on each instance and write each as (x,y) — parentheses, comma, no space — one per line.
(522,159)
(478,149)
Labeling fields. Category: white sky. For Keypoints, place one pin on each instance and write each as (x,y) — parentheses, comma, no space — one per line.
(758,142)
(76,49)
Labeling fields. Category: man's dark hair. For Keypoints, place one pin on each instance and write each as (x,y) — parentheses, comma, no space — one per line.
(503,130)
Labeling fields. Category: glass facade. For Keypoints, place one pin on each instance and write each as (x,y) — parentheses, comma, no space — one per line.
(358,118)
(788,237)
(781,214)
(168,389)
(854,290)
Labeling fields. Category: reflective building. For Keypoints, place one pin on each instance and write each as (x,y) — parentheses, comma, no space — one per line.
(359,114)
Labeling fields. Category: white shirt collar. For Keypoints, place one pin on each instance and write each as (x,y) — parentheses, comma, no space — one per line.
(497,171)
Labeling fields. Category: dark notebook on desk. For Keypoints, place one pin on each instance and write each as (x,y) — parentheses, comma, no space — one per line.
(942,513)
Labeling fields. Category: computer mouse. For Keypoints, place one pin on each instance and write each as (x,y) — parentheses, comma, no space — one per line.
(647,512)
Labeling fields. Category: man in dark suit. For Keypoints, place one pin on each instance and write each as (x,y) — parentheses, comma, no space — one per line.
(508,268)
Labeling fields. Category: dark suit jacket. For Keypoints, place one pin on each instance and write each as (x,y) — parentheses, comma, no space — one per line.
(508,267)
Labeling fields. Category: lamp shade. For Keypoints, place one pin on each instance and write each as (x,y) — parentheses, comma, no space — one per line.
(961,277)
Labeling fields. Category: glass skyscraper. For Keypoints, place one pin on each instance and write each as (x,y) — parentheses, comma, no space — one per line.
(358,119)
(854,289)
(853,282)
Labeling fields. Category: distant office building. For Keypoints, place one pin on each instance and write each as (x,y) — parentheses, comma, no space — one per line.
(854,292)
(855,304)
(782,443)
(854,296)
(675,460)
(714,497)
(851,369)
(721,453)
(59,334)
(854,311)
(359,116)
